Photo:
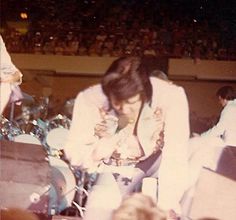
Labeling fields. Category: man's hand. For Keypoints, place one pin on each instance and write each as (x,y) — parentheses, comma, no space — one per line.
(107,127)
(12,78)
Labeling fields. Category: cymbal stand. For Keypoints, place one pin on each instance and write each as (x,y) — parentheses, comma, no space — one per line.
(12,111)
(81,191)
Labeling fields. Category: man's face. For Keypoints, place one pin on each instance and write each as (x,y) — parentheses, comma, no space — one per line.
(129,108)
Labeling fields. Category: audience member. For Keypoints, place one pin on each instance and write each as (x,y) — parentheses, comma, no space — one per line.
(138,206)
(216,148)
(225,128)
(162,35)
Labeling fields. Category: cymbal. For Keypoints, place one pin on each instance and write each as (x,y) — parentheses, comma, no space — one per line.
(27,97)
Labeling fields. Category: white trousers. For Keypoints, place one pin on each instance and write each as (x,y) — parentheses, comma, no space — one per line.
(203,152)
(112,185)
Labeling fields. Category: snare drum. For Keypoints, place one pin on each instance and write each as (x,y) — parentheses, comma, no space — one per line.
(63,186)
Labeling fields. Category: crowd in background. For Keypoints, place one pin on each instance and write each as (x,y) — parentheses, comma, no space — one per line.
(166,28)
(116,28)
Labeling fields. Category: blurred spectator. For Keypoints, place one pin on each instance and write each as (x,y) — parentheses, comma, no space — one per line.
(109,25)
(138,206)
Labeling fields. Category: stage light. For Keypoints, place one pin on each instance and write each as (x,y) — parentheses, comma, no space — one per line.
(23,15)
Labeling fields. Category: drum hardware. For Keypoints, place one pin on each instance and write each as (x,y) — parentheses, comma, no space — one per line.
(21,131)
(85,181)
(8,129)
(63,186)
(43,103)
(35,109)
(68,107)
(59,121)
(83,184)
(31,133)
(16,98)
(69,187)
(81,192)
(81,209)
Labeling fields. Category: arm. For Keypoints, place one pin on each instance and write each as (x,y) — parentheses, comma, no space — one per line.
(9,72)
(83,147)
(173,172)
(219,128)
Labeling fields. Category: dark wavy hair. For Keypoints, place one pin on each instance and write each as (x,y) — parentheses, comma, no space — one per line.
(126,77)
(226,92)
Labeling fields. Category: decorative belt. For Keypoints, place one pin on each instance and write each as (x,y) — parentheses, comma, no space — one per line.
(121,162)
(134,161)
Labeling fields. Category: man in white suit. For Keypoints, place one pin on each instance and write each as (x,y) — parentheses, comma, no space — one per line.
(208,148)
(9,75)
(129,127)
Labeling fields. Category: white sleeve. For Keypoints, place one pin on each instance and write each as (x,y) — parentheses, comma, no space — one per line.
(81,139)
(82,144)
(174,169)
(219,128)
(6,65)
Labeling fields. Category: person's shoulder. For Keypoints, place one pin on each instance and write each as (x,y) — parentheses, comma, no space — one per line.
(93,89)
(166,92)
(231,106)
(92,94)
(165,85)
(233,102)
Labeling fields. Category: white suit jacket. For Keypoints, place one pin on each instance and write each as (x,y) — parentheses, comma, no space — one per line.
(171,99)
(226,126)
(6,67)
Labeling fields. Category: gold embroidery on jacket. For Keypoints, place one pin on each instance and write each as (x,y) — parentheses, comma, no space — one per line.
(158,135)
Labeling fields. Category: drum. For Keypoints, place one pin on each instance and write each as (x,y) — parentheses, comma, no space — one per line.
(31,133)
(63,186)
(57,131)
(56,139)
(27,138)
(59,121)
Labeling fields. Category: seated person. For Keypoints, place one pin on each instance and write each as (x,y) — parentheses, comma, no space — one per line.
(215,149)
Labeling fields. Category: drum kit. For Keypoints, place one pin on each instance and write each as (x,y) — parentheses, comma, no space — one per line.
(69,186)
